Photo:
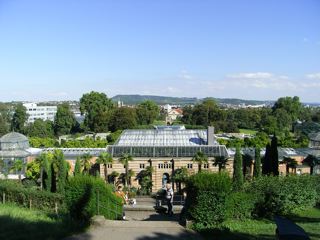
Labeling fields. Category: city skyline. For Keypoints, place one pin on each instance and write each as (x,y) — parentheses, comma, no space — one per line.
(224,49)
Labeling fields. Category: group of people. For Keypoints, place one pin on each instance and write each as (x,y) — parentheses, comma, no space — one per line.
(127,201)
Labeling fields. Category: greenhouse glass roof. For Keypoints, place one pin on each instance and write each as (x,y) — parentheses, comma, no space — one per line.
(162,137)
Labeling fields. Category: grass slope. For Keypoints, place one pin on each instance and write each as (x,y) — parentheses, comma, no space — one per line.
(264,229)
(21,223)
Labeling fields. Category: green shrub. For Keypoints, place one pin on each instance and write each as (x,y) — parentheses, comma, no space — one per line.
(42,200)
(87,196)
(240,205)
(283,195)
(206,198)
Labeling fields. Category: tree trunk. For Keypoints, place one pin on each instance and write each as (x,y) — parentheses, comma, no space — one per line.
(220,167)
(172,174)
(287,169)
(126,177)
(311,170)
(199,167)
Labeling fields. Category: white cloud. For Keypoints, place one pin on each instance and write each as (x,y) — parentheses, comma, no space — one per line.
(255,75)
(313,76)
(184,75)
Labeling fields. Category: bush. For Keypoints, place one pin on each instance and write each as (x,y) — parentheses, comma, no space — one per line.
(283,195)
(206,198)
(240,205)
(42,200)
(87,196)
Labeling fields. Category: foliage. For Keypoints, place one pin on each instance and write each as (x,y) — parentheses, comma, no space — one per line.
(112,137)
(85,162)
(124,160)
(97,109)
(240,205)
(206,198)
(200,158)
(33,170)
(105,158)
(20,195)
(180,176)
(17,167)
(311,161)
(77,167)
(147,112)
(282,195)
(40,129)
(237,170)
(4,119)
(257,163)
(18,223)
(62,170)
(83,192)
(123,118)
(64,121)
(38,142)
(19,118)
(221,162)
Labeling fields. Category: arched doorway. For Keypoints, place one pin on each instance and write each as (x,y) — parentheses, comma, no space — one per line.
(165,179)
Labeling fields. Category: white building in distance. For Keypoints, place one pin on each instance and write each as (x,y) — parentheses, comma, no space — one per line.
(40,112)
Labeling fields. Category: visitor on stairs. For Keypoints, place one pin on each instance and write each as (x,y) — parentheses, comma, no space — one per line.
(169,198)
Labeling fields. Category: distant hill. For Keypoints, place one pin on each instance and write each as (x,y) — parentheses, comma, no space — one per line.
(161,100)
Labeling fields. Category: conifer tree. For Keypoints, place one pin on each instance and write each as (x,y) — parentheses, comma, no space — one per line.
(77,167)
(274,156)
(237,170)
(257,163)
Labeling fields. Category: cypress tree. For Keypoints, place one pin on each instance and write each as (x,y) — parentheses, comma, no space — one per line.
(47,176)
(266,164)
(274,156)
(62,171)
(257,163)
(237,170)
(77,168)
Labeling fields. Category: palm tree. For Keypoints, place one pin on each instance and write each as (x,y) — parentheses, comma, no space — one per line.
(42,160)
(125,159)
(200,158)
(105,159)
(221,162)
(311,161)
(290,163)
(113,176)
(180,176)
(85,162)
(18,166)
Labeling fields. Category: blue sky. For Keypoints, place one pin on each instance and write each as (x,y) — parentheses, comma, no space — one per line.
(250,49)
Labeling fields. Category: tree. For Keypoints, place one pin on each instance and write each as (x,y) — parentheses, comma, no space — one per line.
(129,176)
(105,158)
(85,162)
(61,171)
(124,160)
(257,163)
(274,156)
(237,170)
(267,164)
(97,109)
(40,128)
(77,167)
(147,112)
(180,176)
(311,161)
(288,162)
(19,118)
(123,118)
(247,163)
(47,174)
(64,121)
(113,176)
(4,119)
(200,158)
(221,162)
(43,165)
(17,167)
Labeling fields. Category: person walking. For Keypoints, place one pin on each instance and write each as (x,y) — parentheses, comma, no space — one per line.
(169,198)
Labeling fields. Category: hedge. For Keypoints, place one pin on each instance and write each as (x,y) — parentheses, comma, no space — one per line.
(206,198)
(29,197)
(87,196)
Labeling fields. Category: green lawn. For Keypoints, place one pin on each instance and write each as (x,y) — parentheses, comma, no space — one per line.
(309,220)
(22,223)
(248,131)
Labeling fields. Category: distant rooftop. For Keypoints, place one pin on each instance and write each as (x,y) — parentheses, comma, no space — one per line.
(163,136)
